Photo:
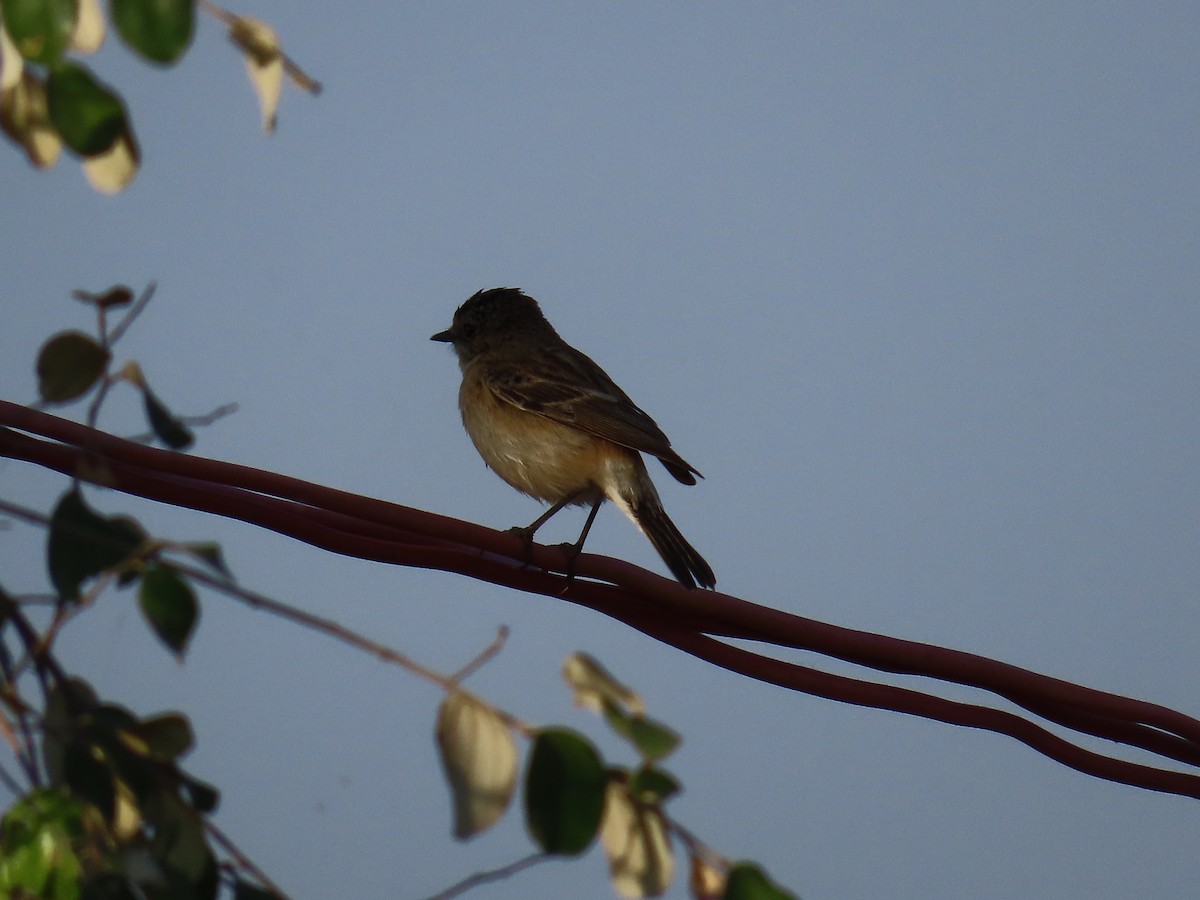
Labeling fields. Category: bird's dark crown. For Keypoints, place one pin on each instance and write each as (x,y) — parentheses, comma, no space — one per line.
(497,311)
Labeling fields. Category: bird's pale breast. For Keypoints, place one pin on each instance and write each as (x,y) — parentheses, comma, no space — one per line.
(536,455)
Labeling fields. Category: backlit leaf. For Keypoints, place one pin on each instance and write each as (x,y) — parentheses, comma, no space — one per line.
(169,605)
(169,429)
(68,366)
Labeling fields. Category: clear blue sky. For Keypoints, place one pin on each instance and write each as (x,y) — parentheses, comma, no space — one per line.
(914,285)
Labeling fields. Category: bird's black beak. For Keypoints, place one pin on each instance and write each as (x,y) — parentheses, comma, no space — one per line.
(444,336)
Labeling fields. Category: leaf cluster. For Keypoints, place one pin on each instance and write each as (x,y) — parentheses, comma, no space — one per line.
(109,812)
(571,796)
(49,99)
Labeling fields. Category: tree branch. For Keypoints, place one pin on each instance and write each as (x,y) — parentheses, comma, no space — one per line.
(693,621)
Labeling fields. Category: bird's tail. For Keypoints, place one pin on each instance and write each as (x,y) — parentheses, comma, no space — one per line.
(645,508)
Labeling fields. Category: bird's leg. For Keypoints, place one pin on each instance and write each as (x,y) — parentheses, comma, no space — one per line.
(573,550)
(526,533)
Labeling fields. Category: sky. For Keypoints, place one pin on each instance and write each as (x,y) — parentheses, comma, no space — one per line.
(913,285)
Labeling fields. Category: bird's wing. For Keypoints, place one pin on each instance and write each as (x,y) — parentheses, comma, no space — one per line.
(571,389)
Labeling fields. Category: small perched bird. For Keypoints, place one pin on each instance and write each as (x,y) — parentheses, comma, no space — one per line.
(551,423)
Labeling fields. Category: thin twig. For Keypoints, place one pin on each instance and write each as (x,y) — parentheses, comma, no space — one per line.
(485,655)
(225,409)
(134,311)
(337,631)
(491,875)
(299,77)
(22,744)
(11,783)
(241,859)
(93,411)
(283,610)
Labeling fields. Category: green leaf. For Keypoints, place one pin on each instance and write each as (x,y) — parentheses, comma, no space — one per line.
(209,553)
(41,29)
(83,543)
(146,783)
(652,785)
(160,30)
(204,797)
(169,605)
(596,688)
(68,699)
(179,843)
(111,886)
(89,778)
(748,882)
(39,834)
(652,739)
(87,114)
(69,365)
(243,890)
(169,429)
(564,792)
(113,717)
(166,737)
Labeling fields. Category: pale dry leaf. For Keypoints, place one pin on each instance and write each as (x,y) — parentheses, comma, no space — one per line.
(479,757)
(24,118)
(707,881)
(127,816)
(132,373)
(111,171)
(88,35)
(637,844)
(11,63)
(264,63)
(594,686)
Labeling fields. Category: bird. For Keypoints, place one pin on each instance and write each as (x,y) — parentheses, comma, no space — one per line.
(552,423)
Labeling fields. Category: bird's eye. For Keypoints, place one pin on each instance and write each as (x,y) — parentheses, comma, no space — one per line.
(467,331)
